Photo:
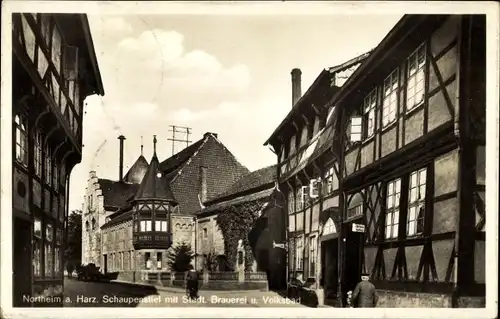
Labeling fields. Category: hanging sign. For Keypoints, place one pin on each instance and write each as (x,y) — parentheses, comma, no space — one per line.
(358,228)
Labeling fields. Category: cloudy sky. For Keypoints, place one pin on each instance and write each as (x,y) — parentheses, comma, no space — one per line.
(213,73)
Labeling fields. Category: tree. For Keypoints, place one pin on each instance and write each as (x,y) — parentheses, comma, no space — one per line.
(180,257)
(73,251)
(211,262)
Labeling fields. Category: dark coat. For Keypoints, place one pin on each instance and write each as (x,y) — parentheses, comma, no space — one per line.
(365,295)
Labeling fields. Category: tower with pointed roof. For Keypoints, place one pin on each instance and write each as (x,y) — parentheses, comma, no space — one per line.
(151,208)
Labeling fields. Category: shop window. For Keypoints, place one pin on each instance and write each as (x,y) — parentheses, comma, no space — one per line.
(416,79)
(390,102)
(392,209)
(416,202)
(21,139)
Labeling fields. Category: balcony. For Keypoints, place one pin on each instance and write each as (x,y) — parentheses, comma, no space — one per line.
(152,240)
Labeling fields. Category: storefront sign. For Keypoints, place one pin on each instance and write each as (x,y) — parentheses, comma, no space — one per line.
(358,228)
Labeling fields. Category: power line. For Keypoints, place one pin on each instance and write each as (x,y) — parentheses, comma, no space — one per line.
(184,131)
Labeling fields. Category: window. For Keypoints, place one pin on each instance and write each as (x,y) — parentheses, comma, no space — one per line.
(48,251)
(57,261)
(87,226)
(38,153)
(356,128)
(48,165)
(131,259)
(291,202)
(369,107)
(55,176)
(355,210)
(299,253)
(331,183)
(145,225)
(291,223)
(390,102)
(37,247)
(329,227)
(158,260)
(161,225)
(205,233)
(416,203)
(416,77)
(93,224)
(312,256)
(147,257)
(303,197)
(392,209)
(70,62)
(21,140)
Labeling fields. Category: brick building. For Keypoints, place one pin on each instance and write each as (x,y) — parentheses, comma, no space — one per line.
(54,68)
(252,192)
(116,237)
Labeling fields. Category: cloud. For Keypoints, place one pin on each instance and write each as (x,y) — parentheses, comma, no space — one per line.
(111,26)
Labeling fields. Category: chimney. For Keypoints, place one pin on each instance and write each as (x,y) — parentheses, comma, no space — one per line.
(203,184)
(296,85)
(121,138)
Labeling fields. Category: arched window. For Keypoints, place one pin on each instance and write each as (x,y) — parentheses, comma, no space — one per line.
(329,227)
(21,140)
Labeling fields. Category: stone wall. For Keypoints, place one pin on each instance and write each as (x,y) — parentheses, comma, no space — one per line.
(396,299)
(213,241)
(93,217)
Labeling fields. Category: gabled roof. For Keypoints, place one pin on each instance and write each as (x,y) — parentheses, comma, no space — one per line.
(116,193)
(154,185)
(137,171)
(252,180)
(172,163)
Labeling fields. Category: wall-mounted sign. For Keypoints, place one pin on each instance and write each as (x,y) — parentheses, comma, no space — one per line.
(358,228)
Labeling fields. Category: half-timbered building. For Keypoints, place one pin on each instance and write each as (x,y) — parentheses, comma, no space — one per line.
(306,175)
(412,163)
(54,68)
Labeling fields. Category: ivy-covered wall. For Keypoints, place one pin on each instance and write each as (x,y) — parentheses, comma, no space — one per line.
(235,223)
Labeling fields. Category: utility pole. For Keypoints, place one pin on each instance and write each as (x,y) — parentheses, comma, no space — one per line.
(184,131)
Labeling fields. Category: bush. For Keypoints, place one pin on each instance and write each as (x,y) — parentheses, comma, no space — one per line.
(180,257)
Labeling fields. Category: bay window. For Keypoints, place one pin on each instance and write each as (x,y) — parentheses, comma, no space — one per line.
(416,78)
(392,209)
(416,202)
(21,125)
(390,102)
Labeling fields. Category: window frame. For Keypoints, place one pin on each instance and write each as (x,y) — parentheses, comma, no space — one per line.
(299,253)
(312,255)
(37,248)
(21,139)
(359,129)
(370,105)
(418,204)
(420,70)
(387,96)
(393,212)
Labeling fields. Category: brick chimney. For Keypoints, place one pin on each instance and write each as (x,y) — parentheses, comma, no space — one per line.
(296,85)
(203,184)
(121,138)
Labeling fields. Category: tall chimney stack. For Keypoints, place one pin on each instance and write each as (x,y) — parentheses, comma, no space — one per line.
(296,85)
(121,138)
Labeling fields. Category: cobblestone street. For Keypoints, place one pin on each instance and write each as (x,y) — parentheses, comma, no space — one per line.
(112,294)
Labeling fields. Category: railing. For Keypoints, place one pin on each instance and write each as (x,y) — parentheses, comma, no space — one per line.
(223,275)
(255,276)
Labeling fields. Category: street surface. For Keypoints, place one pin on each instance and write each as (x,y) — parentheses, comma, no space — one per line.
(105,294)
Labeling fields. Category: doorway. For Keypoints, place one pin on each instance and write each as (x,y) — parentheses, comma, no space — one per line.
(329,267)
(22,262)
(105,263)
(353,257)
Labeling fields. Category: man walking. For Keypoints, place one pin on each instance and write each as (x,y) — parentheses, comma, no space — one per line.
(192,282)
(365,295)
